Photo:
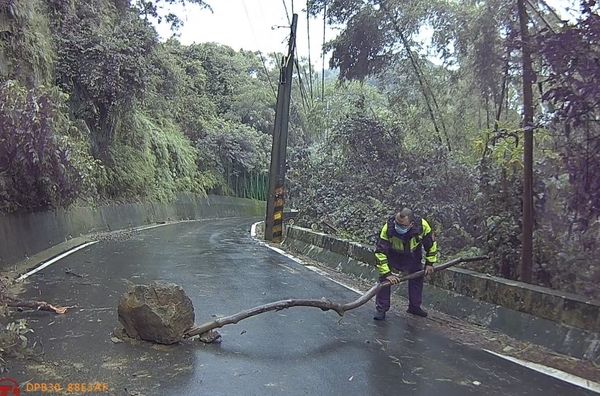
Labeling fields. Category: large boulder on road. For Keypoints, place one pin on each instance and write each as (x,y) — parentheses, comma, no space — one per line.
(160,312)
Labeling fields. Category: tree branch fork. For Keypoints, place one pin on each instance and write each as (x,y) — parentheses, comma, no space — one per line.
(323,304)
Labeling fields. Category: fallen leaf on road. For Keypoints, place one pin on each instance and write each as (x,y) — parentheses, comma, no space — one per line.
(396,360)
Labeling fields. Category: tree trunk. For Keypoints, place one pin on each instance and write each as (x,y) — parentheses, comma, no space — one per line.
(425,89)
(528,127)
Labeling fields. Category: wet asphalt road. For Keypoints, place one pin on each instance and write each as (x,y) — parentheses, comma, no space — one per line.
(300,351)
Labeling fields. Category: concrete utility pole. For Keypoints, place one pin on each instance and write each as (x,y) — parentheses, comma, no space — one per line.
(276,197)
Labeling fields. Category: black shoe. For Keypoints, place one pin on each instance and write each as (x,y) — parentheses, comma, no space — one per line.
(417,311)
(379,315)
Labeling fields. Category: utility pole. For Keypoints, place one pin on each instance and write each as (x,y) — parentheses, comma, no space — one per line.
(528,127)
(276,197)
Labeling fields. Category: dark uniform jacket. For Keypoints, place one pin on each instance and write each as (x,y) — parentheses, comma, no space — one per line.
(409,246)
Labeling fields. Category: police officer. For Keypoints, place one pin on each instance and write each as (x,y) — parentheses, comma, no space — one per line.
(400,246)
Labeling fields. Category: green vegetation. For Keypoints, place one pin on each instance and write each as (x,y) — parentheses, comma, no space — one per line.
(445,138)
(94,108)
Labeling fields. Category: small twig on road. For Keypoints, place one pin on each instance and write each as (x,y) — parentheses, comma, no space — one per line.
(14,302)
(70,272)
(330,226)
(37,305)
(323,304)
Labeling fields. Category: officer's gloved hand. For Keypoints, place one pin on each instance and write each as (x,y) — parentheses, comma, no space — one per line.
(428,269)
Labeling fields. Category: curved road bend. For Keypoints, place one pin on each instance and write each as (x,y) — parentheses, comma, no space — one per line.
(300,351)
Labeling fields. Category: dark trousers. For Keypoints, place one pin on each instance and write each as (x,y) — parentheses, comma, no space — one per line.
(415,286)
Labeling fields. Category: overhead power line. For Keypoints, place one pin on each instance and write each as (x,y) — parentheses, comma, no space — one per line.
(303,93)
(287,14)
(262,59)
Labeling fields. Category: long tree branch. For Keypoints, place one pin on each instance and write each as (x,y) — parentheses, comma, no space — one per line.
(323,304)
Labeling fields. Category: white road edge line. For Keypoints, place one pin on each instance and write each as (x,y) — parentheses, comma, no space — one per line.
(253,229)
(69,252)
(326,275)
(296,259)
(54,260)
(561,375)
(552,372)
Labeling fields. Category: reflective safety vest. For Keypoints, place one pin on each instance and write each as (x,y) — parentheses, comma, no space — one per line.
(405,247)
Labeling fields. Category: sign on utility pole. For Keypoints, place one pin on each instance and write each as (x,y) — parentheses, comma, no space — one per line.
(276,197)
